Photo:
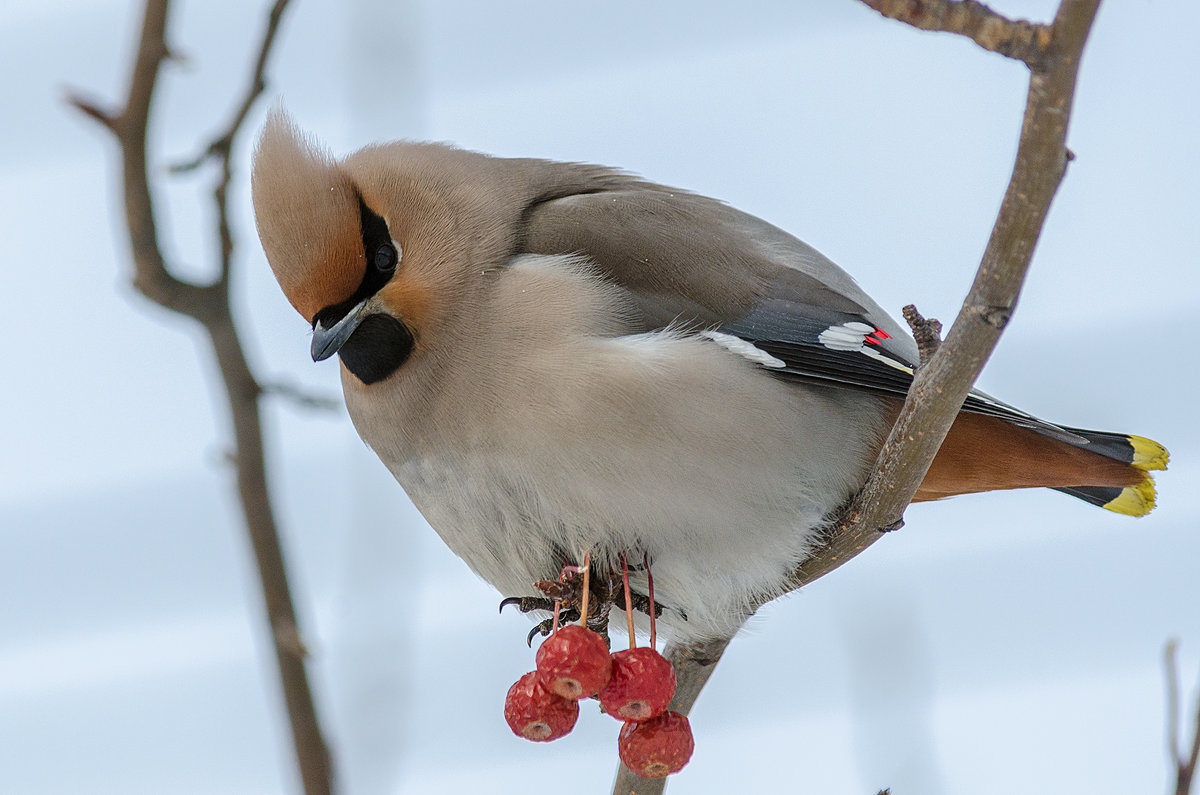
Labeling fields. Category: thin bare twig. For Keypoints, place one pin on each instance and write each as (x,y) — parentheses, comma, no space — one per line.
(941,384)
(1014,38)
(1171,673)
(301,398)
(93,111)
(209,304)
(1185,766)
(221,145)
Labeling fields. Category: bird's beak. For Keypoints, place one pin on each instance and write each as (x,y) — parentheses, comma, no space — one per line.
(328,341)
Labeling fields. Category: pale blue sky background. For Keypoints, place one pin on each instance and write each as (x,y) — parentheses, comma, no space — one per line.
(999,643)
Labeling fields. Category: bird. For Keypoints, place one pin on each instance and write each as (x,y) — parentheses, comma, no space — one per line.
(559,359)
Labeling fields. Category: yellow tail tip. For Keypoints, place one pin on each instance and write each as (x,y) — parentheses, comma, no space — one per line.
(1138,499)
(1148,454)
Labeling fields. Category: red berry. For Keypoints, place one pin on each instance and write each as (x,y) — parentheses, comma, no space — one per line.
(641,685)
(574,662)
(658,747)
(533,712)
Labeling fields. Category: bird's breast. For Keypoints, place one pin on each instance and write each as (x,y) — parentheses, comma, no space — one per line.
(554,435)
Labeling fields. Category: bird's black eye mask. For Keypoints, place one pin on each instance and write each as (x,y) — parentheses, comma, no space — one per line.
(382,259)
(378,343)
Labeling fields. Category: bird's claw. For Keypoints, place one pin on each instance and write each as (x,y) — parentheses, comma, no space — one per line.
(544,628)
(527,603)
(541,629)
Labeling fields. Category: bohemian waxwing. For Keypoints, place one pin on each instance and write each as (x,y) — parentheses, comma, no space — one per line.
(555,358)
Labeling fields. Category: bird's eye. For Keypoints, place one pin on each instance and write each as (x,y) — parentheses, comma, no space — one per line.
(385,258)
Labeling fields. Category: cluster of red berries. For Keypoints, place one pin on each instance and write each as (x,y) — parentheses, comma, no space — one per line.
(634,686)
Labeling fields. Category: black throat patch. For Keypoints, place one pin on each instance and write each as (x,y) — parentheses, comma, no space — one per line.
(377,348)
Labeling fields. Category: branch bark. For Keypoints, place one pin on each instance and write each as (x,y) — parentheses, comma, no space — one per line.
(209,305)
(941,384)
(1024,41)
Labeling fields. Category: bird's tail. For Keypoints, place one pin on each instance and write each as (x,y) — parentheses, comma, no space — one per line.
(987,453)
(1141,454)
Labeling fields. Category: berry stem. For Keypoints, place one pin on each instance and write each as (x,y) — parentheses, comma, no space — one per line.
(650,589)
(562,573)
(583,607)
(628,600)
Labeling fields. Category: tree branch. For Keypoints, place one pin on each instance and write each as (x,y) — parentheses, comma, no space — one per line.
(151,276)
(941,384)
(222,146)
(1018,39)
(1185,766)
(209,304)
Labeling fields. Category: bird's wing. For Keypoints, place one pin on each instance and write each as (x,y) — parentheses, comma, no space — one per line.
(696,263)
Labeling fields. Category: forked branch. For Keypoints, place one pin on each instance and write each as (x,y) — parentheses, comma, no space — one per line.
(1184,761)
(941,384)
(209,304)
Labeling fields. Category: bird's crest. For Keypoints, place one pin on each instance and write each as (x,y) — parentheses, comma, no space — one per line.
(308,215)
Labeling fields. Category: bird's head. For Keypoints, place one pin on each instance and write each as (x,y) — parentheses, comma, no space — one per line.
(370,249)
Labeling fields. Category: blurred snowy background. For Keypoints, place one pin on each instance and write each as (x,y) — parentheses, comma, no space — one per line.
(997,644)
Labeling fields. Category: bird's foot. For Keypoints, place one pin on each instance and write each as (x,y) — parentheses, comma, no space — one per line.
(567,592)
(565,595)
(606,590)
